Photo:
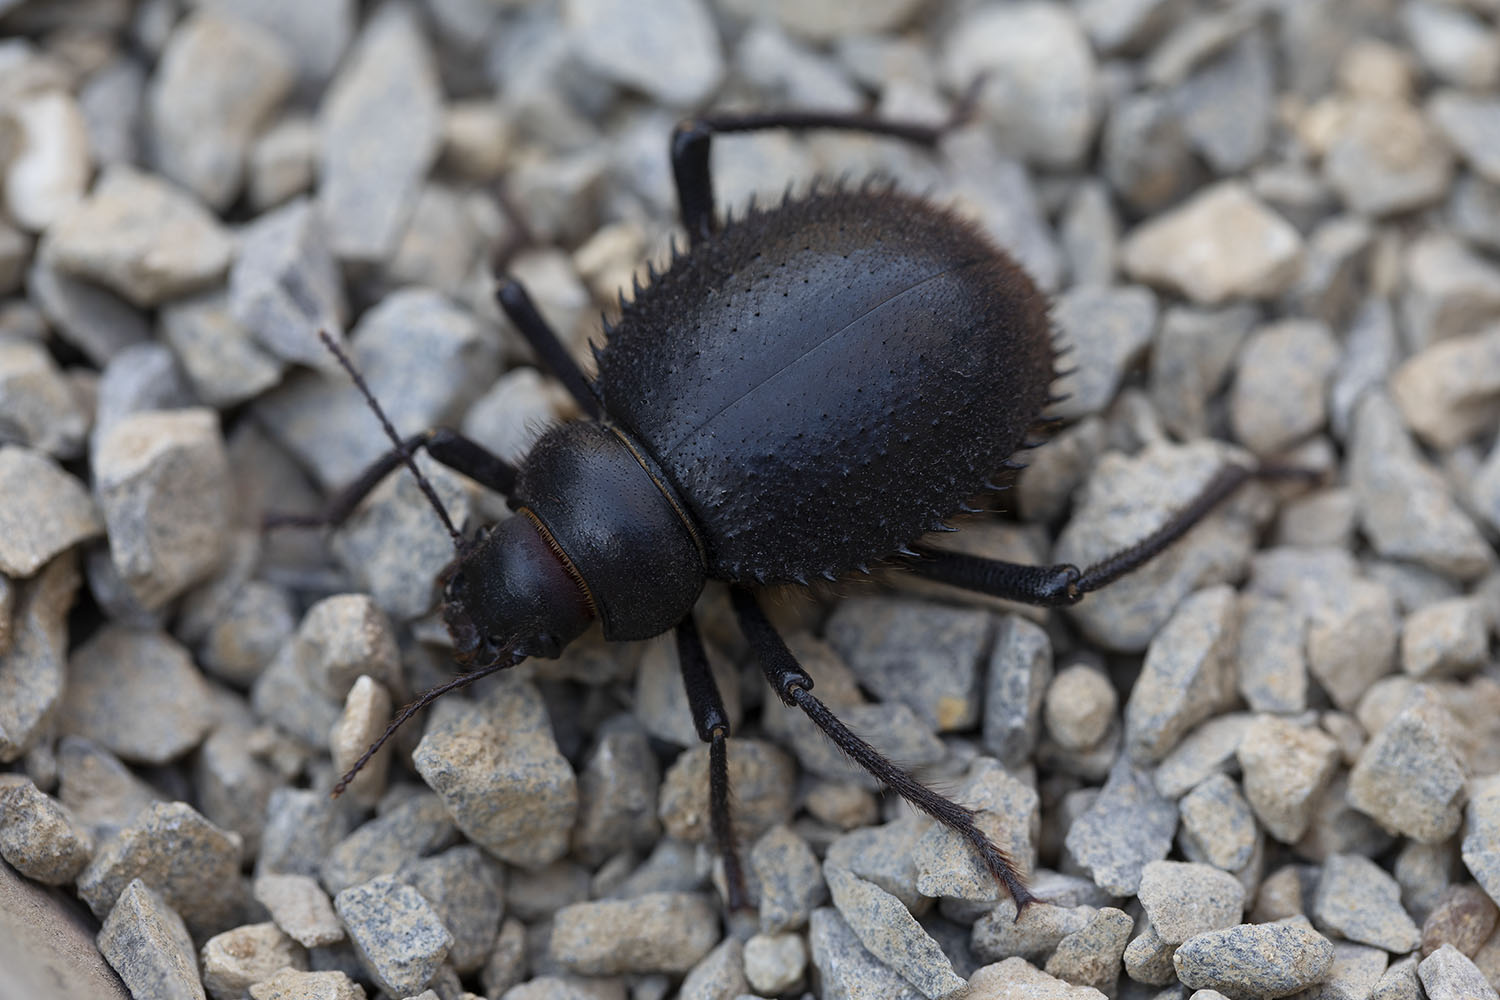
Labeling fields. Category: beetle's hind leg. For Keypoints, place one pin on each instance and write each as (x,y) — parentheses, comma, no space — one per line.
(712,723)
(545,342)
(1063,583)
(691,140)
(793,685)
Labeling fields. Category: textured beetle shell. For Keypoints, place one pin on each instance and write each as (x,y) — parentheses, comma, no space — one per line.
(824,381)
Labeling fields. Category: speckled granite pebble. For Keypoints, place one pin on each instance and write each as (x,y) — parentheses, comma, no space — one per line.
(1255,960)
(300,907)
(1360,901)
(40,837)
(31,482)
(1447,974)
(148,945)
(1128,826)
(400,940)
(1186,899)
(1287,767)
(290,984)
(656,932)
(496,766)
(889,932)
(236,959)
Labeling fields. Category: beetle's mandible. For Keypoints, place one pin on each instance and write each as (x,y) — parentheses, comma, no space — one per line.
(802,393)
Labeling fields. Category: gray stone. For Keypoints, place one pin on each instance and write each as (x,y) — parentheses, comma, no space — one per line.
(1107,329)
(285,287)
(400,940)
(1280,387)
(1370,352)
(102,793)
(48,167)
(672,53)
(1079,707)
(302,826)
(1473,211)
(142,238)
(1184,899)
(617,791)
(1115,27)
(417,826)
(15,254)
(924,656)
(1333,272)
(366,713)
(1449,391)
(846,970)
(33,666)
(444,241)
(342,638)
(1128,498)
(1191,358)
(1006,809)
(1242,78)
(828,20)
(1148,959)
(422,357)
(1453,44)
(1128,826)
(85,315)
(174,850)
(236,959)
(148,945)
(1408,778)
(162,482)
(137,693)
(1449,291)
(1470,122)
(1015,979)
(1271,662)
(1360,901)
(464,888)
(1384,158)
(1091,956)
(314,35)
(1145,153)
(1206,751)
(38,408)
(43,511)
(282,163)
(994,190)
(1355,971)
(140,378)
(1255,960)
(1020,670)
(496,766)
(1040,96)
(720,973)
(1000,934)
(381,123)
(216,84)
(657,932)
(1287,769)
(1090,235)
(1218,826)
(40,837)
(1187,675)
(218,356)
(290,984)
(774,963)
(1405,508)
(1448,974)
(890,933)
(1240,248)
(1399,982)
(762,776)
(394,546)
(788,880)
(1481,842)
(884,855)
(255,623)
(510,417)
(300,907)
(1444,638)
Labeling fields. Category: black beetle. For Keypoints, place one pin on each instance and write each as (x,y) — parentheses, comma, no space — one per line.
(802,393)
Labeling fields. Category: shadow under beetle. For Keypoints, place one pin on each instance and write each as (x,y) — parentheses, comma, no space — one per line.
(803,392)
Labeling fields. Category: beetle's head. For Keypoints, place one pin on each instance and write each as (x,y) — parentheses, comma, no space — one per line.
(512,593)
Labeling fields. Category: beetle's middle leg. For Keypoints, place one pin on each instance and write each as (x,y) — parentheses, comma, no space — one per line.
(712,723)
(794,686)
(691,139)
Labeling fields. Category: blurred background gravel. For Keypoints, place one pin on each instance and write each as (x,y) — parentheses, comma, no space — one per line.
(1267,764)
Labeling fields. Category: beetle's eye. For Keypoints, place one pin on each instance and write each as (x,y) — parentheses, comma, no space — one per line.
(455,583)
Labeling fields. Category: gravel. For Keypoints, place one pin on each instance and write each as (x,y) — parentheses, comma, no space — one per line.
(1269,232)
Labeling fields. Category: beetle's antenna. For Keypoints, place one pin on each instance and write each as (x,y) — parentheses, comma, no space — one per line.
(423,700)
(401,449)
